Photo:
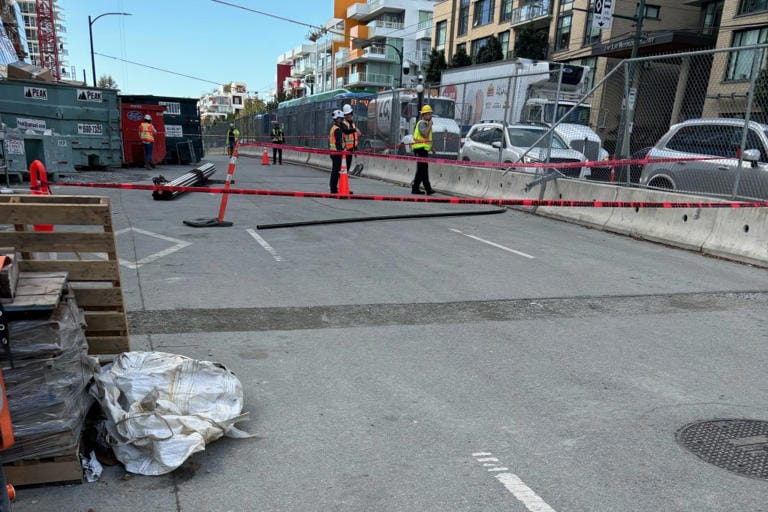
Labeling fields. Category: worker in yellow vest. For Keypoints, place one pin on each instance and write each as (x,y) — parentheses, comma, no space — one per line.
(147,134)
(422,145)
(233,136)
(351,134)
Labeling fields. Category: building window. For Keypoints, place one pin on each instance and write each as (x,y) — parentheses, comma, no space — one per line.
(750,6)
(483,13)
(463,24)
(711,13)
(461,47)
(440,30)
(504,42)
(505,13)
(740,63)
(651,11)
(591,34)
(477,45)
(563,36)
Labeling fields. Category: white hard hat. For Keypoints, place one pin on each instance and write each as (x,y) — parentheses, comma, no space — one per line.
(338,114)
(347,109)
(147,117)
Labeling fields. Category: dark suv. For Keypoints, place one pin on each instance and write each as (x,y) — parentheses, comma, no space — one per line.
(719,139)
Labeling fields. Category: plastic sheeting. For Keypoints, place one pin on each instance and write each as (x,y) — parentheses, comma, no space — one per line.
(48,387)
(161,408)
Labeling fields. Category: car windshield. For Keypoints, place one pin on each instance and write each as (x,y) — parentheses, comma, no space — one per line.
(526,137)
(580,114)
(440,107)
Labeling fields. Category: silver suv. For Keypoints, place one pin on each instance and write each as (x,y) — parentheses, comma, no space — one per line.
(721,140)
(500,142)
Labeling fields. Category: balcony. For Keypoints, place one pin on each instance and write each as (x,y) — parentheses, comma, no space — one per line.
(379,7)
(420,58)
(372,79)
(530,13)
(304,49)
(341,57)
(358,11)
(424,30)
(380,28)
(372,53)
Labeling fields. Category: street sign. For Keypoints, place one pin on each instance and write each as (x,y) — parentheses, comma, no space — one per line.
(602,14)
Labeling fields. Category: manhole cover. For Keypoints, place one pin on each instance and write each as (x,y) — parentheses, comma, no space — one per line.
(740,446)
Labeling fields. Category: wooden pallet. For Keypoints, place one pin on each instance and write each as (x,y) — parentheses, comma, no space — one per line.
(82,230)
(65,468)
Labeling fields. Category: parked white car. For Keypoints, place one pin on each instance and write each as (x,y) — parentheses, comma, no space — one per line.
(500,142)
(720,139)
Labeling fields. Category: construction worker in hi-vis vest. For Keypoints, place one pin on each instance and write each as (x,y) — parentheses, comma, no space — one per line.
(336,144)
(147,134)
(278,137)
(351,134)
(422,145)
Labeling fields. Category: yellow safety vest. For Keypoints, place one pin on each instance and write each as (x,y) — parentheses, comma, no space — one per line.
(146,133)
(350,139)
(332,138)
(422,141)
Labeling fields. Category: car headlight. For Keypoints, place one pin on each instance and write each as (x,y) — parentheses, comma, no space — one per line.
(528,159)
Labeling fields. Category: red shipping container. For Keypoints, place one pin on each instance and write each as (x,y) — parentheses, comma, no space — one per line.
(133,150)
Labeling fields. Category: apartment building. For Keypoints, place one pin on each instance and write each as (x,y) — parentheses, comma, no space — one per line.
(227,99)
(367,45)
(28,10)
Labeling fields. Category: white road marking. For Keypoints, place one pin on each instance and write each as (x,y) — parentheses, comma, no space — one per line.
(517,487)
(498,246)
(264,244)
(180,244)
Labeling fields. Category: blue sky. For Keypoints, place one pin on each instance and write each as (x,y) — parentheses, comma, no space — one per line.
(200,38)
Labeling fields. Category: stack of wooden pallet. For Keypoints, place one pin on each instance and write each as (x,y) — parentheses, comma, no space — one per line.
(67,303)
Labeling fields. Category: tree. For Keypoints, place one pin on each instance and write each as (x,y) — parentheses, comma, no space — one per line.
(761,93)
(460,58)
(491,52)
(254,106)
(436,66)
(106,82)
(279,97)
(531,44)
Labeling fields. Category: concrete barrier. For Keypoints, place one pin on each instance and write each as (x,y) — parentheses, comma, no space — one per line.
(580,191)
(740,233)
(688,228)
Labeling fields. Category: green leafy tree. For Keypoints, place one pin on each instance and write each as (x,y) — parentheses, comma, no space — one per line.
(279,97)
(254,106)
(436,66)
(106,82)
(460,59)
(531,43)
(491,52)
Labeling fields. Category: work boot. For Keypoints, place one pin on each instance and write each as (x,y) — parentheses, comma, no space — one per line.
(430,192)
(146,166)
(417,191)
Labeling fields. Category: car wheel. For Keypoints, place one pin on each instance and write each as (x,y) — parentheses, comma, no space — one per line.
(661,183)
(465,159)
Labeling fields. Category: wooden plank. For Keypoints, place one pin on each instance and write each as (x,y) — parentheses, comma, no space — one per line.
(54,241)
(67,214)
(108,344)
(60,469)
(37,291)
(105,321)
(78,270)
(89,298)
(57,199)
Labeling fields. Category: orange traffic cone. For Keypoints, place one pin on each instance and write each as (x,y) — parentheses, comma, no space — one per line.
(264,158)
(343,178)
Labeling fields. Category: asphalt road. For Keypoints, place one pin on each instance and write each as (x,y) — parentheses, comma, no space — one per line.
(500,362)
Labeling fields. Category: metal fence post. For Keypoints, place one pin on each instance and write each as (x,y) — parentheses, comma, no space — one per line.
(756,59)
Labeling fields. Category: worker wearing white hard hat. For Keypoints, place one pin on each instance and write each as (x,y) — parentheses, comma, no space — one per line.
(147,134)
(422,145)
(336,144)
(351,134)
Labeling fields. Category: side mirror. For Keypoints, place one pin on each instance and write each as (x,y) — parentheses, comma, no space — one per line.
(497,145)
(751,155)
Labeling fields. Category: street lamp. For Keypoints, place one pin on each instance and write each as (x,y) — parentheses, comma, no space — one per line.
(365,43)
(90,34)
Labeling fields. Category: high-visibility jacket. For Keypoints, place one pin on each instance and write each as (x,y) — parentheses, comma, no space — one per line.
(278,137)
(336,138)
(350,135)
(147,132)
(233,135)
(422,140)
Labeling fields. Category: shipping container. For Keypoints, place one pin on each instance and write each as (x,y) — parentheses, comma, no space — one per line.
(183,141)
(68,127)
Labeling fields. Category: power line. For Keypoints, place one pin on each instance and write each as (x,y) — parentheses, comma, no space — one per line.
(158,69)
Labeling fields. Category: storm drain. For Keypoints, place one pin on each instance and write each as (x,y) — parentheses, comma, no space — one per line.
(740,446)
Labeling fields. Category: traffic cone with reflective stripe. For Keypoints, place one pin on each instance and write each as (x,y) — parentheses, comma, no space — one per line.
(343,177)
(264,158)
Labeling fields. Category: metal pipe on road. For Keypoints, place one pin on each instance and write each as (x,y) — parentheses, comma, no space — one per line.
(194,177)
